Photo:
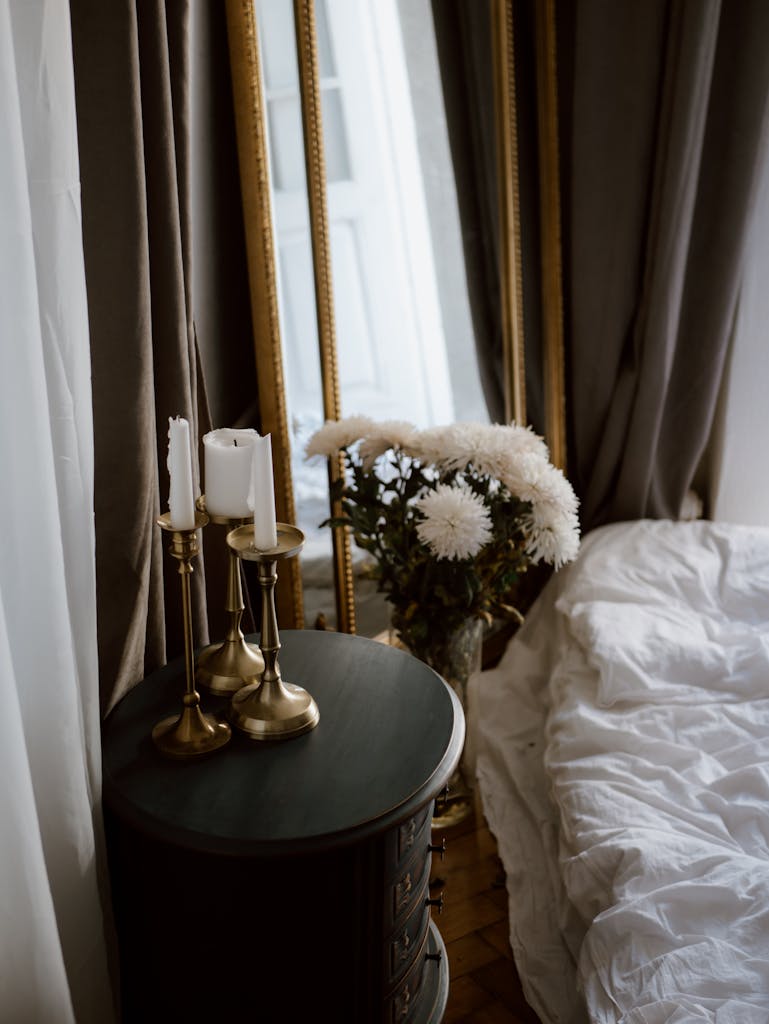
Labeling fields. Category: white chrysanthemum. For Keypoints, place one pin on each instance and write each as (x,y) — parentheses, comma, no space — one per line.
(337,434)
(467,443)
(526,440)
(492,449)
(552,535)
(533,479)
(500,448)
(505,443)
(522,477)
(429,446)
(381,437)
(457,523)
(558,494)
(454,446)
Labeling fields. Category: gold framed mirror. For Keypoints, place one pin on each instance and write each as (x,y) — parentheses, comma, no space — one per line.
(262,100)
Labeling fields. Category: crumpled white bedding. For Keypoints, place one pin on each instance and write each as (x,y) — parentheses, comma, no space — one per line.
(622,755)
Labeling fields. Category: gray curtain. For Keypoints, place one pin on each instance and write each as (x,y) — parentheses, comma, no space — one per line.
(663,106)
(131,76)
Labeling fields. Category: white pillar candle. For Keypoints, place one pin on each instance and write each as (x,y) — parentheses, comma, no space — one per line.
(262,496)
(228,457)
(181,503)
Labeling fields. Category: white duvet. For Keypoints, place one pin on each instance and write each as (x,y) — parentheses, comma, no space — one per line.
(623,762)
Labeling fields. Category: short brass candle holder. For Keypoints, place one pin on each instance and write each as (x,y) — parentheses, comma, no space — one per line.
(269,708)
(191,733)
(224,667)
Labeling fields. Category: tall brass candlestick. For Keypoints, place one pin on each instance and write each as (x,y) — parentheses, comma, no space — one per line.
(191,733)
(269,708)
(224,667)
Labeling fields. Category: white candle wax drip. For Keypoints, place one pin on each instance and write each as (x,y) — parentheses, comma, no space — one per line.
(181,503)
(228,458)
(262,495)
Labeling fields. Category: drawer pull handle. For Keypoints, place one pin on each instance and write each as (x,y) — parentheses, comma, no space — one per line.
(407,835)
(403,892)
(402,948)
(401,1007)
(435,903)
(439,848)
(434,956)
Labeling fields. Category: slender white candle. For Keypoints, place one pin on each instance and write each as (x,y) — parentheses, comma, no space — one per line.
(262,495)
(228,458)
(181,503)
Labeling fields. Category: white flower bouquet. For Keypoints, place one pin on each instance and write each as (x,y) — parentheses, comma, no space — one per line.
(451,517)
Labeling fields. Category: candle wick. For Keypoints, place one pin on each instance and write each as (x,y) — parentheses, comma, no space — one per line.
(235,441)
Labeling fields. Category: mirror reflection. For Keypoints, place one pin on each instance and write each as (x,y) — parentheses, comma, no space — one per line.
(403,330)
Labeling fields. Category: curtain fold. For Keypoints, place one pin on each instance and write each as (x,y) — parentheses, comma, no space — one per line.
(131,77)
(667,112)
(52,943)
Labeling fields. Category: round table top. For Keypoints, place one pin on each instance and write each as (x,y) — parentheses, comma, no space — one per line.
(389,736)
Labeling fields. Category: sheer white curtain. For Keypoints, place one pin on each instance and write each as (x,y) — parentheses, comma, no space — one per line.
(52,949)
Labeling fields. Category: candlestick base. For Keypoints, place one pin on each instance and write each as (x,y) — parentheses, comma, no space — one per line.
(191,734)
(269,708)
(225,666)
(273,710)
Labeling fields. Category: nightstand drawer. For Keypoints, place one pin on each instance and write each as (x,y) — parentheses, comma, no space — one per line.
(409,836)
(401,1005)
(406,940)
(409,885)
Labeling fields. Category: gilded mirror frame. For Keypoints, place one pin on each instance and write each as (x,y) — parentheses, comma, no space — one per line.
(250,120)
(251,131)
(551,264)
(551,270)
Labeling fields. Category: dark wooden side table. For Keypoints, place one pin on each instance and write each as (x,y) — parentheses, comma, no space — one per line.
(288,881)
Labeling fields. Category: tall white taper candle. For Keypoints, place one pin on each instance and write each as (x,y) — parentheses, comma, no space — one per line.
(262,495)
(181,503)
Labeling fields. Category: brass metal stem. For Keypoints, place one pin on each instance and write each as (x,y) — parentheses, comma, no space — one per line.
(192,733)
(269,708)
(224,667)
(270,643)
(185,571)
(234,603)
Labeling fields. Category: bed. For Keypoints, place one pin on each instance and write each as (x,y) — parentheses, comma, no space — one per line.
(621,748)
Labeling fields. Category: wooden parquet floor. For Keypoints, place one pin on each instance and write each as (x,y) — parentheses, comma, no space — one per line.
(484,986)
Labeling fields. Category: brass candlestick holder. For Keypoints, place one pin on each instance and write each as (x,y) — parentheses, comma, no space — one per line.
(269,708)
(224,667)
(192,733)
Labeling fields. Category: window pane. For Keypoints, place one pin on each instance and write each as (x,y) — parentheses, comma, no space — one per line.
(278,50)
(335,136)
(286,145)
(326,63)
